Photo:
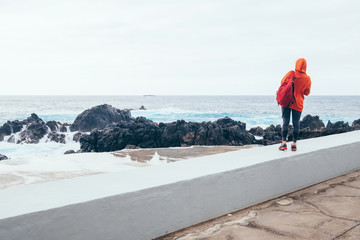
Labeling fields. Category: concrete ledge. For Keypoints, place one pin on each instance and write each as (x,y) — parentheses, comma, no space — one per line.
(150,202)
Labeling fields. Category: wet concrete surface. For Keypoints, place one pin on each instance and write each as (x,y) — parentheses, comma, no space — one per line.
(139,158)
(175,154)
(329,210)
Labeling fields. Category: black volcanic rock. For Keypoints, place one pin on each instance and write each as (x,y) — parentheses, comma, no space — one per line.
(306,133)
(69,152)
(144,133)
(63,127)
(3,157)
(98,117)
(11,127)
(33,118)
(310,127)
(257,131)
(76,137)
(5,130)
(57,126)
(337,127)
(179,133)
(31,130)
(56,137)
(356,124)
(35,130)
(140,132)
(312,122)
(226,131)
(52,125)
(272,135)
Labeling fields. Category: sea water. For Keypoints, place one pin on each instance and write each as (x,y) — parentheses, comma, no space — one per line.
(253,110)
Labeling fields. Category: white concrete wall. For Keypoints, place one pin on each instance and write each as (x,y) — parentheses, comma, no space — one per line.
(153,201)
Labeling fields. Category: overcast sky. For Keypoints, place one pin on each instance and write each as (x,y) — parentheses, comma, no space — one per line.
(169,47)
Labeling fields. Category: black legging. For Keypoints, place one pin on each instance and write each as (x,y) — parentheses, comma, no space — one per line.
(286,120)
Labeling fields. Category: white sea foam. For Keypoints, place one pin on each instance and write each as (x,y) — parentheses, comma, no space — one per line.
(34,169)
(43,148)
(173,114)
(155,160)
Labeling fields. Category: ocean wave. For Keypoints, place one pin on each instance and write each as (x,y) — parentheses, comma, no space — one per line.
(59,117)
(174,114)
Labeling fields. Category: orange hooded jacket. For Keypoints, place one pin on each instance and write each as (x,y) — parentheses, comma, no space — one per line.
(302,83)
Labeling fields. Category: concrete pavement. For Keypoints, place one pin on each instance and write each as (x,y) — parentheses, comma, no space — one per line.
(325,211)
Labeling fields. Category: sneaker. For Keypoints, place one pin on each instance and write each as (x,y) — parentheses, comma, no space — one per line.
(283,147)
(293,148)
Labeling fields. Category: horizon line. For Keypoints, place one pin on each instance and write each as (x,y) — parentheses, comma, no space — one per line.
(162,95)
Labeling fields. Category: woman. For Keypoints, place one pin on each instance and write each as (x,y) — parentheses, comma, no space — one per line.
(302,85)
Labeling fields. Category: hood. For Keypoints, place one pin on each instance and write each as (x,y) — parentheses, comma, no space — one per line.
(300,65)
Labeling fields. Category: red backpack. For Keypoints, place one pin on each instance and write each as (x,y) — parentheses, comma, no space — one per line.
(285,94)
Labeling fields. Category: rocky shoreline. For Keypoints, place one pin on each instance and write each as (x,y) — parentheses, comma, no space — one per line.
(104,128)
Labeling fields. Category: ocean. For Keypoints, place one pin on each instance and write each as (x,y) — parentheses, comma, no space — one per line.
(253,110)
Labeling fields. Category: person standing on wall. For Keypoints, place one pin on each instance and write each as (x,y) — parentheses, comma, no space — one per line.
(302,86)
